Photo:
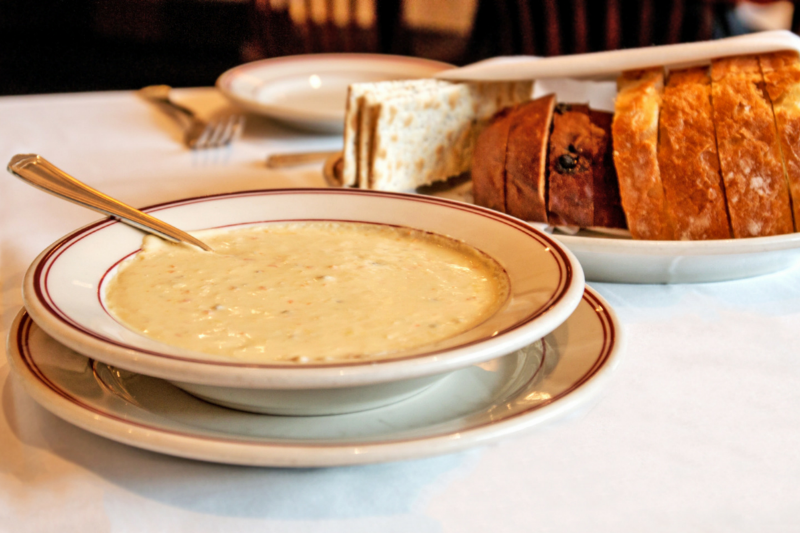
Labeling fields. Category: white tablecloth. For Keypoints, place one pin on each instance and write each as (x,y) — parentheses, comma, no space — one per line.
(699,429)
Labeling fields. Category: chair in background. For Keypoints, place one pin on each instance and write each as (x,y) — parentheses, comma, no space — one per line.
(555,27)
(500,27)
(282,27)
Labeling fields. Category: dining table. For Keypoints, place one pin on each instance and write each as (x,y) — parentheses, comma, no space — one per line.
(697,429)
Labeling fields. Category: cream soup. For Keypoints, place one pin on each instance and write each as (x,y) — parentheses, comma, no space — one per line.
(307,292)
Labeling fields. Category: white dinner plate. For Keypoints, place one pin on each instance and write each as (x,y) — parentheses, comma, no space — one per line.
(620,259)
(63,288)
(310,91)
(473,406)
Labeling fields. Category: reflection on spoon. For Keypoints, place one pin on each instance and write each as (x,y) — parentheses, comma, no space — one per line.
(42,174)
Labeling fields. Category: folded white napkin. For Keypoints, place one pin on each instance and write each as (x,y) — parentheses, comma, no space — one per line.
(607,65)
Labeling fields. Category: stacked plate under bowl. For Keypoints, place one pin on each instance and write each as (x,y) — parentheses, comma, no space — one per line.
(544,353)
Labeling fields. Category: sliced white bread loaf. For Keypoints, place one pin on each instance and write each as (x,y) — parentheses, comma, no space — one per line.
(781,72)
(688,160)
(749,150)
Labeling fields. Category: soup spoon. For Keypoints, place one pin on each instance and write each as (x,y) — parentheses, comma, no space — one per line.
(35,170)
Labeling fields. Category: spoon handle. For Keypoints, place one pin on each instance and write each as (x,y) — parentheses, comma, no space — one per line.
(42,174)
(298,158)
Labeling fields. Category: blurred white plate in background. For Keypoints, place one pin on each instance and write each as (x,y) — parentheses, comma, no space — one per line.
(310,91)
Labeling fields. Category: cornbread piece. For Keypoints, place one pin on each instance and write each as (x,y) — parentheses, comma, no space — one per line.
(423,138)
(489,163)
(781,72)
(687,158)
(570,200)
(635,134)
(749,150)
(526,159)
(607,205)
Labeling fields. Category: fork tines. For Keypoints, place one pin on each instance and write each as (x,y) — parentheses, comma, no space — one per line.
(218,132)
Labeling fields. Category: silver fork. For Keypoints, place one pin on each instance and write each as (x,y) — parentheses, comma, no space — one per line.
(197,133)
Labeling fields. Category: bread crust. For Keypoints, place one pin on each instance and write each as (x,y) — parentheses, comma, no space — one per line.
(367,118)
(781,71)
(635,138)
(749,150)
(607,204)
(526,159)
(489,163)
(351,137)
(688,159)
(570,200)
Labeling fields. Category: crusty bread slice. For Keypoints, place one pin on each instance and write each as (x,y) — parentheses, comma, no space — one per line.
(749,150)
(489,163)
(570,199)
(635,138)
(781,72)
(354,118)
(688,160)
(526,159)
(607,204)
(420,139)
(366,136)
(352,121)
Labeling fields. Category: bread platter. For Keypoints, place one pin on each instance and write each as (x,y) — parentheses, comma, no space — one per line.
(681,248)
(614,257)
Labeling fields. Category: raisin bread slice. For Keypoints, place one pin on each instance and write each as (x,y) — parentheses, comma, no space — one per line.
(607,204)
(573,148)
(526,159)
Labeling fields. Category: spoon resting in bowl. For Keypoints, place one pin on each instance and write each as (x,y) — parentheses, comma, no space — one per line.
(35,170)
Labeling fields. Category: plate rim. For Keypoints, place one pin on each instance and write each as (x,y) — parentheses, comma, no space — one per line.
(567,296)
(223,82)
(298,454)
(750,245)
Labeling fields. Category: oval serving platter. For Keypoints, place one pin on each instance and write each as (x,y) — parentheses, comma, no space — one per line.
(606,257)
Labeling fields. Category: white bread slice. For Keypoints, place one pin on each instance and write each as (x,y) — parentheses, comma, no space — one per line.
(422,138)
(749,150)
(781,72)
(370,105)
(354,117)
(635,138)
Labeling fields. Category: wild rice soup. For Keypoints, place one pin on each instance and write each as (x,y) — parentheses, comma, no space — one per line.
(306,292)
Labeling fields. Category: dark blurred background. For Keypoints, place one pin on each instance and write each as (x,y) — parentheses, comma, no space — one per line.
(85,45)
